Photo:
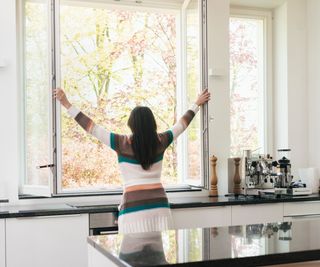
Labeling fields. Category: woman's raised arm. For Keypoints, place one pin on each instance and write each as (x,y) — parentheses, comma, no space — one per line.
(82,119)
(185,120)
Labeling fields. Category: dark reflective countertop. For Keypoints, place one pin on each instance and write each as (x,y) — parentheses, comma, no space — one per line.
(184,202)
(175,203)
(250,245)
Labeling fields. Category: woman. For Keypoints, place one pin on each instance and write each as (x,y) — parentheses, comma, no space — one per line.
(144,206)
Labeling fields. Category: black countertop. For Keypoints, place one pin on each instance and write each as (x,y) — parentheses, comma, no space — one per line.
(241,200)
(175,203)
(249,245)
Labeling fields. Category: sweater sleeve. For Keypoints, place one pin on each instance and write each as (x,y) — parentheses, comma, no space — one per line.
(184,121)
(89,126)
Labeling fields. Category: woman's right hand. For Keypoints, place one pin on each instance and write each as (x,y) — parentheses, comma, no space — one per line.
(203,97)
(60,95)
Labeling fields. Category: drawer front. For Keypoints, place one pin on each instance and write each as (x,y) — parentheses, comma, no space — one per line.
(301,208)
(259,213)
(202,217)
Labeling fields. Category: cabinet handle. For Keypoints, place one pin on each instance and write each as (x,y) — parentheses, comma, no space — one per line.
(108,232)
(48,217)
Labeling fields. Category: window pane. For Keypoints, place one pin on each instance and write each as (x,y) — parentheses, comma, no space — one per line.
(246,84)
(112,59)
(193,86)
(36,91)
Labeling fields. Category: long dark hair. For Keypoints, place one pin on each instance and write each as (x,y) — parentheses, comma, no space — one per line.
(145,141)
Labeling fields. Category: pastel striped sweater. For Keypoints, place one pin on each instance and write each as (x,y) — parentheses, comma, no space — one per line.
(144,206)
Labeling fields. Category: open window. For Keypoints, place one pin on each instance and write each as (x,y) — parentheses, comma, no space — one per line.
(109,57)
(37,86)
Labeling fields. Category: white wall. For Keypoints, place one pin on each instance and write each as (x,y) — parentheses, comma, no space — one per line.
(219,107)
(290,81)
(313,15)
(9,108)
(280,85)
(297,83)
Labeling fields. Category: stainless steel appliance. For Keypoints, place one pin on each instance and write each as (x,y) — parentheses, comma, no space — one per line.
(256,173)
(103,223)
(284,177)
(261,174)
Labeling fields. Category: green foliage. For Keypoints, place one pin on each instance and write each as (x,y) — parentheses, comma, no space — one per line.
(113,60)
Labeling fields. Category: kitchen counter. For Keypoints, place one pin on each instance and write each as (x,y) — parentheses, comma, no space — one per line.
(175,203)
(248,245)
(241,200)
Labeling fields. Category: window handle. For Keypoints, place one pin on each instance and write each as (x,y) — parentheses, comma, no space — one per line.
(45,166)
(204,130)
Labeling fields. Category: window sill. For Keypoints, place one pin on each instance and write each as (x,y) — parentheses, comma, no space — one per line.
(107,193)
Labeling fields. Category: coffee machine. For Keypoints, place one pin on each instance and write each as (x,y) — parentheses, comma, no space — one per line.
(283,167)
(284,183)
(256,173)
(261,174)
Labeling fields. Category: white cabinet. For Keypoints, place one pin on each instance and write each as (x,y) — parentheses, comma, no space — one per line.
(97,259)
(202,217)
(49,241)
(306,210)
(2,243)
(257,213)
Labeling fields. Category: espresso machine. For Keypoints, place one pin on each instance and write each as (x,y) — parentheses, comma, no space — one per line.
(256,173)
(261,174)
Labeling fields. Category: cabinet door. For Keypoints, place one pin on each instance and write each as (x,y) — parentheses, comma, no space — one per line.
(97,259)
(259,213)
(47,241)
(2,244)
(307,210)
(202,217)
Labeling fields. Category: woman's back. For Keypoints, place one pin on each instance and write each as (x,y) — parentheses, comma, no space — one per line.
(131,170)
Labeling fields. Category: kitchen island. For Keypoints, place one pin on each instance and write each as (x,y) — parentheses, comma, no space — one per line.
(247,245)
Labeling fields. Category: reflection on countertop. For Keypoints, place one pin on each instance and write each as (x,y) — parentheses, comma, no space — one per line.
(248,245)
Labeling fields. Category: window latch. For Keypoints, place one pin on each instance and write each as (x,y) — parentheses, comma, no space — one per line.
(45,166)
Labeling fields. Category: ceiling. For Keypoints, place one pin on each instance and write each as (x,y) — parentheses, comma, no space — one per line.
(270,4)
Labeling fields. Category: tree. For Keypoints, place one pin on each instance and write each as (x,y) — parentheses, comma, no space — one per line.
(243,85)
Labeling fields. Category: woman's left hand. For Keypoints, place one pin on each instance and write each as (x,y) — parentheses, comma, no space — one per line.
(60,95)
(204,97)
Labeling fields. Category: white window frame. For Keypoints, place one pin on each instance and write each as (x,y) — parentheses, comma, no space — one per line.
(55,182)
(37,190)
(266,16)
(183,173)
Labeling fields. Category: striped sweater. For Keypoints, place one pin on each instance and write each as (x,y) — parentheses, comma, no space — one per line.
(144,204)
